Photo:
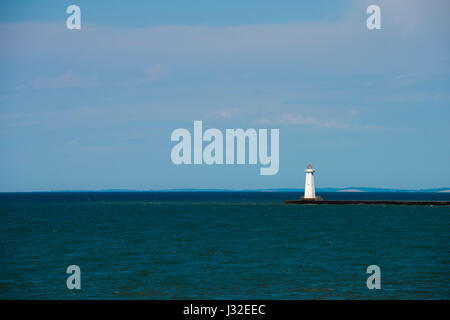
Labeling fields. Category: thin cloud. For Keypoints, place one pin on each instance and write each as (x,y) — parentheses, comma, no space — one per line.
(332,46)
(291,119)
(156,73)
(228,113)
(298,119)
(69,79)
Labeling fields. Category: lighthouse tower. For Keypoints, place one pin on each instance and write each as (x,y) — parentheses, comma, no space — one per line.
(310,189)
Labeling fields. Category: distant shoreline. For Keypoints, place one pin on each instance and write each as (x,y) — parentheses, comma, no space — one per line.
(319,190)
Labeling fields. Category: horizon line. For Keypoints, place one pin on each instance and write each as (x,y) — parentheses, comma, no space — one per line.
(287,189)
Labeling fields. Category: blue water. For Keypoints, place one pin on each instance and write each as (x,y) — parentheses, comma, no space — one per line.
(225,245)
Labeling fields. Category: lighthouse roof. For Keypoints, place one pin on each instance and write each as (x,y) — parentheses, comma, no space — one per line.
(309,166)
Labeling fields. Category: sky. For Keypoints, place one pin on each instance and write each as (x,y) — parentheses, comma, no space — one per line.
(94,109)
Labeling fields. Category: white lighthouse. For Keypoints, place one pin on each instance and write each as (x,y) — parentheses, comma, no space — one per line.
(310,189)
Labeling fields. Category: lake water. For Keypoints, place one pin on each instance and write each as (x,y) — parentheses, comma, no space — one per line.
(221,245)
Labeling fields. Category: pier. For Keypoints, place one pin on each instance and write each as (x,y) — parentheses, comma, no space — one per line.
(370,202)
(311,198)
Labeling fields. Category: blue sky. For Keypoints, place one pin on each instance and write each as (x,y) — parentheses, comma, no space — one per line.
(94,108)
(142,13)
